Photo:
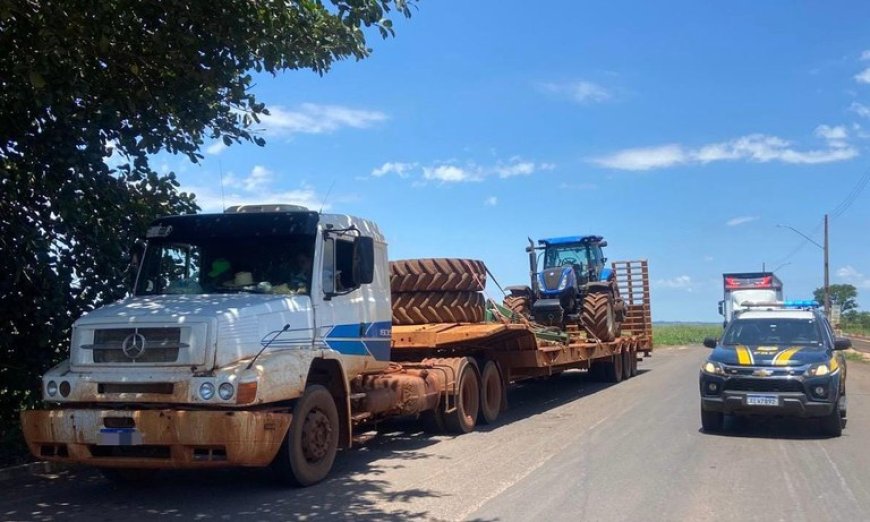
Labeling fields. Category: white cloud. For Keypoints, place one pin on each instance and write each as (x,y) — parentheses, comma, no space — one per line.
(216,148)
(398,168)
(863,76)
(491,201)
(259,177)
(682,282)
(450,174)
(851,275)
(865,55)
(860,109)
(581,91)
(733,222)
(523,168)
(311,118)
(757,148)
(831,133)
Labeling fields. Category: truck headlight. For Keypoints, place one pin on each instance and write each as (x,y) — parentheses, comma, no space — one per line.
(225,391)
(51,388)
(712,368)
(206,391)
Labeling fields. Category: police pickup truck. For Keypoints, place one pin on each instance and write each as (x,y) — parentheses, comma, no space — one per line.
(776,359)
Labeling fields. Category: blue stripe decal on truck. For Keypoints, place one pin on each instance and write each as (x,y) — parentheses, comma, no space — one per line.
(361,339)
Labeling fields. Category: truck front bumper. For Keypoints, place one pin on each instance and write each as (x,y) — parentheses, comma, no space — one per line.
(157,439)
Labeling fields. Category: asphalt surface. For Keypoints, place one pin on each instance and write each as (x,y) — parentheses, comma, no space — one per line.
(861,345)
(566,450)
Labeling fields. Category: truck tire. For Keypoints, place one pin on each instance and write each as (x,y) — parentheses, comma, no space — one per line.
(438,307)
(437,275)
(633,360)
(312,440)
(597,316)
(491,392)
(626,364)
(518,305)
(832,424)
(712,421)
(613,369)
(467,401)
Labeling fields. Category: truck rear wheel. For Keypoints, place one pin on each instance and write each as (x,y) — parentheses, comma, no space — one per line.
(598,317)
(626,364)
(312,441)
(491,390)
(437,275)
(613,369)
(633,361)
(467,401)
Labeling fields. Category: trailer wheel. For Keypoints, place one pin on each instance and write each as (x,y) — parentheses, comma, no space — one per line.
(464,417)
(312,441)
(598,317)
(626,364)
(633,361)
(613,369)
(491,390)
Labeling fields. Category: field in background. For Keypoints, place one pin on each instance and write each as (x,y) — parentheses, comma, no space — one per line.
(665,334)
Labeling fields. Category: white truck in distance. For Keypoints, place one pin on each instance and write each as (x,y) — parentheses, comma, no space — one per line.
(744,287)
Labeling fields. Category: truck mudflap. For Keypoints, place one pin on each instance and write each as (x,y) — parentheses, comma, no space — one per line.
(155,438)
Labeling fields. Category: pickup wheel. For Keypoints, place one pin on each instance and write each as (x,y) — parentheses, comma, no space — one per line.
(491,390)
(833,423)
(467,401)
(712,421)
(312,441)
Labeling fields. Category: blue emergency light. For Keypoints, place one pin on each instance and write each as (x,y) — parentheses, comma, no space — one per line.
(801,303)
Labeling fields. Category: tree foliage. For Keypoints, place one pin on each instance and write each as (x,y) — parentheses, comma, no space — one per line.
(80,80)
(843,295)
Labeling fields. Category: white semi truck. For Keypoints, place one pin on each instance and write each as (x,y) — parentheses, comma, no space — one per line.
(748,287)
(265,336)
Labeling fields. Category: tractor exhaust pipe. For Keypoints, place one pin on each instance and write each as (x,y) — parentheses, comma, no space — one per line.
(533,266)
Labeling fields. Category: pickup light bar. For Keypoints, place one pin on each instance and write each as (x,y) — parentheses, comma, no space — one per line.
(792,303)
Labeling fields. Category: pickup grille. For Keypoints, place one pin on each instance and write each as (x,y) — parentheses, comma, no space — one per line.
(143,345)
(764,385)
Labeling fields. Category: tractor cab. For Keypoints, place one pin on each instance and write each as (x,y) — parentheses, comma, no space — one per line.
(570,261)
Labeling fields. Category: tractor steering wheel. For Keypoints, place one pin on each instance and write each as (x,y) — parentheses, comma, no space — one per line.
(569,261)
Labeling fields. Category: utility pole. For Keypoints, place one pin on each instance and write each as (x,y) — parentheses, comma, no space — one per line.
(827,286)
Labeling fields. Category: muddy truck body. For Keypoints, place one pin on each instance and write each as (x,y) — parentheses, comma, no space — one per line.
(272,336)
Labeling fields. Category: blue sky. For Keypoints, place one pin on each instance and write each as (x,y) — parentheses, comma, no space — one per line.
(682,132)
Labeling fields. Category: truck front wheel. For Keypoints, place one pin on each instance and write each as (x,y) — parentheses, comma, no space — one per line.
(312,441)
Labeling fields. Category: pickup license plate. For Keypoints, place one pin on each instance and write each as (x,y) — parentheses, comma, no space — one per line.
(120,437)
(762,400)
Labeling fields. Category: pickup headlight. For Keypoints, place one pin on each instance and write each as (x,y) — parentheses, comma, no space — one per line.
(712,368)
(820,369)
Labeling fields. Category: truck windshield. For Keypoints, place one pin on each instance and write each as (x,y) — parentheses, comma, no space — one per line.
(566,256)
(773,331)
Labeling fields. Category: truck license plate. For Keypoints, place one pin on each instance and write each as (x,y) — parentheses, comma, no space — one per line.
(120,437)
(762,400)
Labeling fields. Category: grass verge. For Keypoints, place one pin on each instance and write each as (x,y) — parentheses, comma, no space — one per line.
(668,334)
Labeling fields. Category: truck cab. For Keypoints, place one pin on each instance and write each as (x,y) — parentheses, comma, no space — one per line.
(233,319)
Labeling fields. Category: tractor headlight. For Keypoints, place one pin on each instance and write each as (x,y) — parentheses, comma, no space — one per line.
(206,391)
(563,283)
(712,368)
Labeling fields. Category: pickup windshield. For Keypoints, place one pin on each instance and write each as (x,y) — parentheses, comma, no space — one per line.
(218,254)
(773,331)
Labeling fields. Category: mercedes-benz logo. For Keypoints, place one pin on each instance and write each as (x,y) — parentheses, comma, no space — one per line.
(133,345)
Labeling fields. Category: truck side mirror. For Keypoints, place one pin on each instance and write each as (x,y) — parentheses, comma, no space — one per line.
(722,308)
(709,342)
(363,260)
(841,343)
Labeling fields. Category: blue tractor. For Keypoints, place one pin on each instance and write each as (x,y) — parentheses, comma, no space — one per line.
(573,286)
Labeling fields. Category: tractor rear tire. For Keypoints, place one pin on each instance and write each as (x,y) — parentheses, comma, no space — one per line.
(437,275)
(519,305)
(597,316)
(438,307)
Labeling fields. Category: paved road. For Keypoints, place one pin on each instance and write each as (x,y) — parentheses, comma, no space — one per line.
(861,345)
(567,450)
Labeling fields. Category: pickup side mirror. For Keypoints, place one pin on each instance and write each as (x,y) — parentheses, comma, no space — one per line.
(363,260)
(841,343)
(722,308)
(709,342)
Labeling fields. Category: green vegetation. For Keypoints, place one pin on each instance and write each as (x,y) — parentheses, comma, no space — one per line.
(855,356)
(666,334)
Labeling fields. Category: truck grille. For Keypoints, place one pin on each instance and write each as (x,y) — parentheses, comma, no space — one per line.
(764,385)
(136,345)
